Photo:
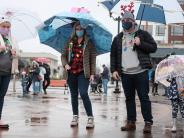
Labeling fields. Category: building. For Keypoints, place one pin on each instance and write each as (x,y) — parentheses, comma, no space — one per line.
(27,58)
(170,38)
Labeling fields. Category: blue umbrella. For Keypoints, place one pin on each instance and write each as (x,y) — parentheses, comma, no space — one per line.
(158,11)
(56,31)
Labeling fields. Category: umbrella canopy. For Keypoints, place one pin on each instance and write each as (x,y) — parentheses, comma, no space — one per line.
(57,30)
(173,66)
(158,11)
(42,60)
(23,23)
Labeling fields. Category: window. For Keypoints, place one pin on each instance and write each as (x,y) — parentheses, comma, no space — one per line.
(160,30)
(177,30)
(148,28)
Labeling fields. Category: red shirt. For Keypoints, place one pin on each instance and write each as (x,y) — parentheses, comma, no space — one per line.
(77,59)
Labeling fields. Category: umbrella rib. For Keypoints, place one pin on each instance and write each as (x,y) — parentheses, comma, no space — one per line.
(37,19)
(25,26)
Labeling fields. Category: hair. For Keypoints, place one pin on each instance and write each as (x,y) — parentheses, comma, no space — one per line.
(74,37)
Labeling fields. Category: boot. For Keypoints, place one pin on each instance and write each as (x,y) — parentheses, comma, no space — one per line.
(129,126)
(90,123)
(174,126)
(75,120)
(147,127)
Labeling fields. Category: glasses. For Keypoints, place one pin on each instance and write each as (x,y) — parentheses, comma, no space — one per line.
(6,26)
(78,29)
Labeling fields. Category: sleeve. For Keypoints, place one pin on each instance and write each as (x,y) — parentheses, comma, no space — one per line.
(64,55)
(113,56)
(93,55)
(148,44)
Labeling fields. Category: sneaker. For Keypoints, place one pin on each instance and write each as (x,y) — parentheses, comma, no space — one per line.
(129,126)
(90,123)
(75,120)
(147,127)
(3,125)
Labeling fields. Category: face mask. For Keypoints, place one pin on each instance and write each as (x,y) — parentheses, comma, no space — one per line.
(4,31)
(127,25)
(80,33)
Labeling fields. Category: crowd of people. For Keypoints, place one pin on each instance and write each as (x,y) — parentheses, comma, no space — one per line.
(129,62)
(38,75)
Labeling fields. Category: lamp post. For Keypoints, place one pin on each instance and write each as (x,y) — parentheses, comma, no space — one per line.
(118,19)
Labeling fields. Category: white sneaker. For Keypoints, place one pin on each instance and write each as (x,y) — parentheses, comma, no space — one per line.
(90,123)
(75,121)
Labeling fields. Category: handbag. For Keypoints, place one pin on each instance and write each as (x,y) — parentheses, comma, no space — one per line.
(5,62)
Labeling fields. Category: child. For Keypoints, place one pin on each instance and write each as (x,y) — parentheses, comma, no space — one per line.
(24,83)
(175,94)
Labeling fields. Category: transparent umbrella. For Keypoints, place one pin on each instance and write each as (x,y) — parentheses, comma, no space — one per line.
(23,23)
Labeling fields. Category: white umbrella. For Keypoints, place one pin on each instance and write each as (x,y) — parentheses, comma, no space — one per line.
(23,23)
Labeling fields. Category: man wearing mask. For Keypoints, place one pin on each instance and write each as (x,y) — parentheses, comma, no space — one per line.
(130,61)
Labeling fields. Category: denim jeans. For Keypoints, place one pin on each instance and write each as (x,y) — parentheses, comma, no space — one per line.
(36,87)
(104,83)
(79,84)
(140,83)
(4,83)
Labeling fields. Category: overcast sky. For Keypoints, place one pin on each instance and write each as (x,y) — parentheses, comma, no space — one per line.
(47,8)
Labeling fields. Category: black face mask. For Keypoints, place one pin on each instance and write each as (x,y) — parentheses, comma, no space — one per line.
(127,25)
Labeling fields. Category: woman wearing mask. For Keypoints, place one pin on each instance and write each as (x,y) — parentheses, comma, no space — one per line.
(6,57)
(79,59)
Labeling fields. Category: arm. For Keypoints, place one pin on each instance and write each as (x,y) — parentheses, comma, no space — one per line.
(92,58)
(64,60)
(148,44)
(113,56)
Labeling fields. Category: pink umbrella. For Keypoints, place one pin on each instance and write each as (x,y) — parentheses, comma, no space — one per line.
(42,60)
(80,10)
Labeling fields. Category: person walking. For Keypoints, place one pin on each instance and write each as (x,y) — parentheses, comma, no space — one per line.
(46,81)
(105,78)
(130,60)
(7,54)
(79,59)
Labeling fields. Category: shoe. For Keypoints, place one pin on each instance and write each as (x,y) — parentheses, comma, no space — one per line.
(173,130)
(3,125)
(147,127)
(129,126)
(45,92)
(75,120)
(90,123)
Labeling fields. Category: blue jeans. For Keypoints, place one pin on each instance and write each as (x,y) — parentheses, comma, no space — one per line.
(140,83)
(104,83)
(36,87)
(79,84)
(4,83)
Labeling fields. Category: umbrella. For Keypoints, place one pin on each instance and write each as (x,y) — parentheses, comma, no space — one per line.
(173,66)
(23,23)
(56,30)
(42,60)
(158,11)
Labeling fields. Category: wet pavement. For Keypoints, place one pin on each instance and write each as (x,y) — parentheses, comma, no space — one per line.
(49,117)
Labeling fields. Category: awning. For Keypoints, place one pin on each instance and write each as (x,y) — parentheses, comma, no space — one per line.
(162,52)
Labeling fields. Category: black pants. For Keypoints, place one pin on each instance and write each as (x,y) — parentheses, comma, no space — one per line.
(46,83)
(4,83)
(29,83)
(140,83)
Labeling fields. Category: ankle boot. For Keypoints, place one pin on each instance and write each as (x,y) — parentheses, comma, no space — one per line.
(174,126)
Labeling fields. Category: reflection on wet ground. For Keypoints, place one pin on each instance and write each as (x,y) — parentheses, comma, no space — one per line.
(49,117)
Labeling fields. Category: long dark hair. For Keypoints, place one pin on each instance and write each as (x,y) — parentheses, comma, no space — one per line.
(74,38)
